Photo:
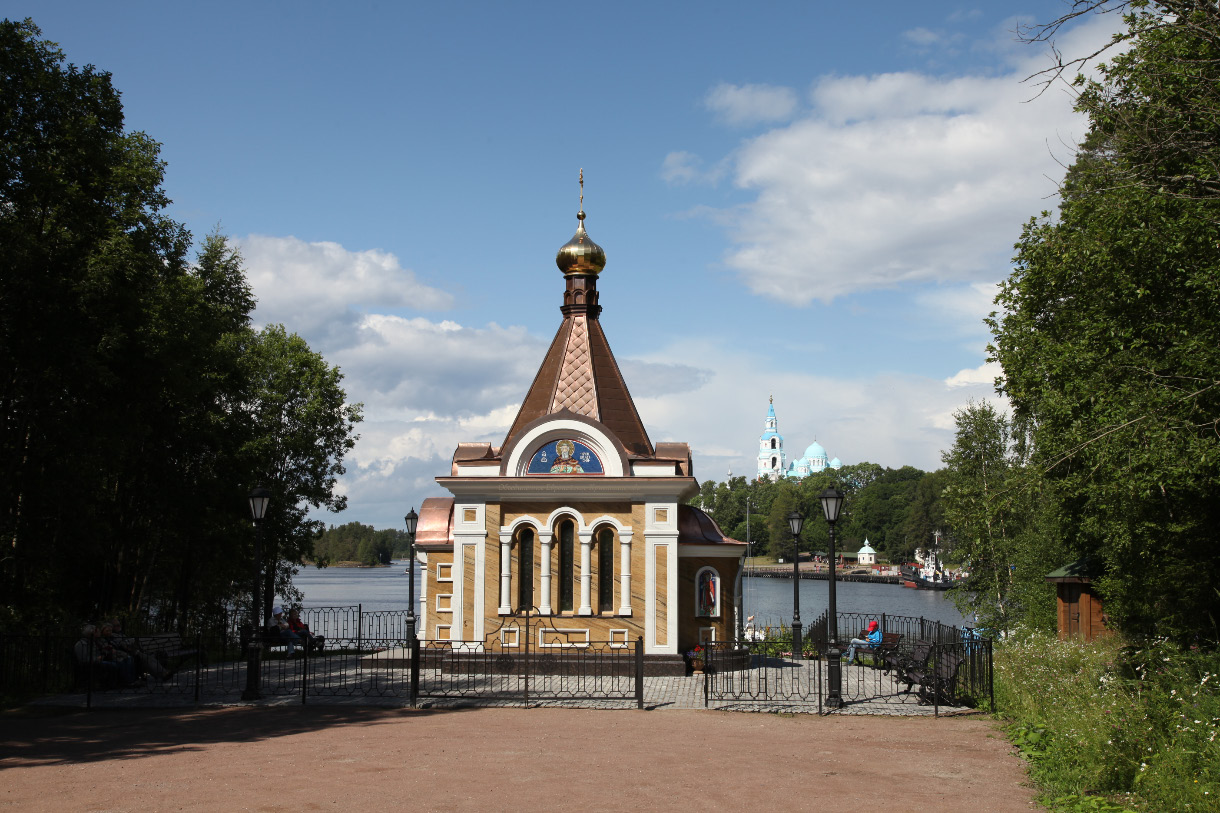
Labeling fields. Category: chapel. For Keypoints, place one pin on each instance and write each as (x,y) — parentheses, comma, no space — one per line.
(577,521)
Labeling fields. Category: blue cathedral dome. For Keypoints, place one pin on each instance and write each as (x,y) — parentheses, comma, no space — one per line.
(814,451)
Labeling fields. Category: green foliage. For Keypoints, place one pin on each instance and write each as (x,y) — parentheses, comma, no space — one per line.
(1109,334)
(896,510)
(1108,727)
(1000,527)
(362,544)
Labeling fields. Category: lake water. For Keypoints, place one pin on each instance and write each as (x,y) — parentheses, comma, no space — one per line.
(768,600)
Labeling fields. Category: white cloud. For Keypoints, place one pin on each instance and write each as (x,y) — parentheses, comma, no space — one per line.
(899,178)
(741,105)
(319,289)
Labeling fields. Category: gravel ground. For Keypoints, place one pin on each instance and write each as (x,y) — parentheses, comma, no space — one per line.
(304,758)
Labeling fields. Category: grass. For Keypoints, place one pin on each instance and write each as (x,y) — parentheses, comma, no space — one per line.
(1110,726)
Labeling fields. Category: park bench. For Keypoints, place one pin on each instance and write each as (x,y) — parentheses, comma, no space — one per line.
(939,684)
(168,647)
(907,665)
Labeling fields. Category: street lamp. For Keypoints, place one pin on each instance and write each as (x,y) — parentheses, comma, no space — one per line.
(412,520)
(832,501)
(795,521)
(259,498)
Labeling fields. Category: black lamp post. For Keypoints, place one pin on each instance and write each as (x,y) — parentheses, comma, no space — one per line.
(259,498)
(412,520)
(832,501)
(795,521)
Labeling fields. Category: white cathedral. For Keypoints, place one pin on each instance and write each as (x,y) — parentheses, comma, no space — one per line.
(773,462)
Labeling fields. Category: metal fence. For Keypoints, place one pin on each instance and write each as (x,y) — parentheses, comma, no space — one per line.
(214,669)
(929,664)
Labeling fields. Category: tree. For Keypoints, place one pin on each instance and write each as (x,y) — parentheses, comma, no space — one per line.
(994,523)
(138,405)
(301,426)
(1158,101)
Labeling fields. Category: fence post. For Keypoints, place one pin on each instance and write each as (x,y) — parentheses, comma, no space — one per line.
(89,677)
(304,672)
(46,655)
(639,673)
(990,676)
(937,651)
(413,685)
(198,663)
(359,626)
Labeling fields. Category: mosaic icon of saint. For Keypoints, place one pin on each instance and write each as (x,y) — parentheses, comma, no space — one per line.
(565,463)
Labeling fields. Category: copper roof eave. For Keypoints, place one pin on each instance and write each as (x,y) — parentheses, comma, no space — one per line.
(636,487)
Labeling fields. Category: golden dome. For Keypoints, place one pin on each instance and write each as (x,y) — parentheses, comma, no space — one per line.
(580,255)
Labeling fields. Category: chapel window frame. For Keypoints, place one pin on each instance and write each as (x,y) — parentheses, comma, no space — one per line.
(567,564)
(701,610)
(606,540)
(525,539)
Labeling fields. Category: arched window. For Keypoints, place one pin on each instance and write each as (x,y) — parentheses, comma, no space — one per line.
(605,570)
(525,568)
(772,443)
(567,564)
(774,460)
(707,593)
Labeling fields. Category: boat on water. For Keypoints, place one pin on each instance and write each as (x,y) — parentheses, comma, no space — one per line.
(930,575)
(924,578)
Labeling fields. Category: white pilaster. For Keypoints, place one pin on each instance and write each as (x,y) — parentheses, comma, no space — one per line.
(586,573)
(544,606)
(506,541)
(624,549)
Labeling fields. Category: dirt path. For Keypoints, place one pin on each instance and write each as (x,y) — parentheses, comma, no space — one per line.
(365,759)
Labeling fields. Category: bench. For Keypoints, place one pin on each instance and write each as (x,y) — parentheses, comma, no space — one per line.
(270,638)
(907,665)
(939,684)
(168,647)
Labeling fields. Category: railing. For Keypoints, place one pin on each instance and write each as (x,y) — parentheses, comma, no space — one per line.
(359,666)
(596,670)
(759,672)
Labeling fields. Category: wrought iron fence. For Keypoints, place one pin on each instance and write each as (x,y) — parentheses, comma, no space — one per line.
(593,670)
(214,669)
(759,672)
(924,662)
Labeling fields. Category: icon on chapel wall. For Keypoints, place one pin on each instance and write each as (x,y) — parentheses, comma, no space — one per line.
(706,593)
(565,456)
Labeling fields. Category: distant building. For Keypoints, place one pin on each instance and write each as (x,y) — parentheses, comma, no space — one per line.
(773,460)
(866,555)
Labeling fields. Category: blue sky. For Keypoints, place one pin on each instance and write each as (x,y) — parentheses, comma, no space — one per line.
(808,200)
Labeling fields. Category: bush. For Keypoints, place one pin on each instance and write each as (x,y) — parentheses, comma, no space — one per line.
(1104,723)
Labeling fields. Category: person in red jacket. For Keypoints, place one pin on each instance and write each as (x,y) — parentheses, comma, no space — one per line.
(314,642)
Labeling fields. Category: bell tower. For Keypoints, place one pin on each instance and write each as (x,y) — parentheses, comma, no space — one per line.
(771,458)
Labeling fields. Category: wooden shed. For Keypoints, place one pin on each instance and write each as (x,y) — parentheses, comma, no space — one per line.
(1080,611)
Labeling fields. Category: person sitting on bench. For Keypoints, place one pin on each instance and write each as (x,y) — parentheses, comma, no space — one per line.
(279,625)
(871,639)
(314,642)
